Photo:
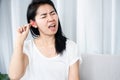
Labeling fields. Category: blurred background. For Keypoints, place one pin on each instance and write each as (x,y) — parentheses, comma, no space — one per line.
(93,24)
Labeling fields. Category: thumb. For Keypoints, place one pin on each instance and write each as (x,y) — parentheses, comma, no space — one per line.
(28,27)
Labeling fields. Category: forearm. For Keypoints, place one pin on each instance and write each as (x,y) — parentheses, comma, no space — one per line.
(74,72)
(16,68)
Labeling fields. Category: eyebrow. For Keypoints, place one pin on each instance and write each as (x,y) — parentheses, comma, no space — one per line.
(43,14)
(46,13)
(52,11)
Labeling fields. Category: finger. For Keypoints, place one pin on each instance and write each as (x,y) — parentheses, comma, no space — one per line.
(30,24)
(20,30)
(25,27)
(28,27)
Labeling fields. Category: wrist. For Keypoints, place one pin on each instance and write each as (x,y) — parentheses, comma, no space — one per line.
(19,43)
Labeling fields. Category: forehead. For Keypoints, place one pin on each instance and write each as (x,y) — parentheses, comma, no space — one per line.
(44,8)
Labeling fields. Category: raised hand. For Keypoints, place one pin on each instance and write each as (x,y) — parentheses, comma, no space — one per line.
(22,33)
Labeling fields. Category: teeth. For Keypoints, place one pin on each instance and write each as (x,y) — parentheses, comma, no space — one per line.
(52,25)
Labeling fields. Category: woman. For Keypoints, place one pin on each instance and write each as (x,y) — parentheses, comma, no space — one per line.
(49,55)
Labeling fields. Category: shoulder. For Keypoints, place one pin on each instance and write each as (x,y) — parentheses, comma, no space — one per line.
(27,48)
(70,43)
(28,44)
(72,51)
(71,46)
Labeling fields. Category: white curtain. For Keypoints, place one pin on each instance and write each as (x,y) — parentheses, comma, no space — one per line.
(98,26)
(5,34)
(93,24)
(12,16)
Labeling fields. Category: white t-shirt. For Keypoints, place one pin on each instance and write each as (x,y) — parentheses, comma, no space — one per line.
(44,68)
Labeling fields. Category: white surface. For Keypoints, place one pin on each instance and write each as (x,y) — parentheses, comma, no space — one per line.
(100,67)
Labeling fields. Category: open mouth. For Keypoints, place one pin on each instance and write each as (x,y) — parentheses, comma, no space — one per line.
(52,26)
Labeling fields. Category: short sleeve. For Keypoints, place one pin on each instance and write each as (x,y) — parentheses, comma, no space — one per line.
(73,53)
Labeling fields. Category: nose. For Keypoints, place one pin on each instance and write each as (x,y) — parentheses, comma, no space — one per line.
(50,18)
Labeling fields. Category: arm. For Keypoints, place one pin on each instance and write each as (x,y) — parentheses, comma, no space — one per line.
(19,60)
(74,71)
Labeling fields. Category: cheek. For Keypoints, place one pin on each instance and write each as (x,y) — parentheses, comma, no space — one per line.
(57,20)
(41,23)
(56,17)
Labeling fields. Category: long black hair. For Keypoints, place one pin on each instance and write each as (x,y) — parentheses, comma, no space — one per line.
(60,39)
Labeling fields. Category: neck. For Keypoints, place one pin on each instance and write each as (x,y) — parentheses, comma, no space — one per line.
(46,41)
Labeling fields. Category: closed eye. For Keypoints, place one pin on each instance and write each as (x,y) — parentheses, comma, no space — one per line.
(52,13)
(43,15)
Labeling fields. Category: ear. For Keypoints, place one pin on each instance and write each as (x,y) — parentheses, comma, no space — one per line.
(33,23)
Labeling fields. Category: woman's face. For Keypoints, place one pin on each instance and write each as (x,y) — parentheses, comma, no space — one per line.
(47,20)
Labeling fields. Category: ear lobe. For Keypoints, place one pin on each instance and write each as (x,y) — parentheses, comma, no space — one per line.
(33,23)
